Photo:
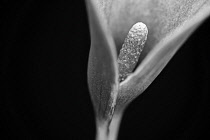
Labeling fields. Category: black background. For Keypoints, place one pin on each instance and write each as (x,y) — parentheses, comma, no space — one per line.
(44,94)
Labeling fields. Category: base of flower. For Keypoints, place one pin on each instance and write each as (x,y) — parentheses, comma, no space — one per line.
(106,131)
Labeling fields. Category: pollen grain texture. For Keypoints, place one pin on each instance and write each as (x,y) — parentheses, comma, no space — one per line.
(131,49)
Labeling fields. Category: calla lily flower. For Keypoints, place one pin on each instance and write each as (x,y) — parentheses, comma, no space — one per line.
(169,25)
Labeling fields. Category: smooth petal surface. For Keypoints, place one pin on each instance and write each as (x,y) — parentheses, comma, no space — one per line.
(161,16)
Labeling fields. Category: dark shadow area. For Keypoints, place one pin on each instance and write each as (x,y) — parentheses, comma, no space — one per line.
(44,55)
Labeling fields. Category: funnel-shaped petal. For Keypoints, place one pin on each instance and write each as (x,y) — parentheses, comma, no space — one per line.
(169,23)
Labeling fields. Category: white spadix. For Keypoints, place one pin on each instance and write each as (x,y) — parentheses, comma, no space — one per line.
(131,49)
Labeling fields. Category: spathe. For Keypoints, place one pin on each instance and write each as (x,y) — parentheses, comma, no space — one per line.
(169,23)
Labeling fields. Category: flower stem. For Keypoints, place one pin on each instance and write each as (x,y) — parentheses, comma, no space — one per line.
(109,131)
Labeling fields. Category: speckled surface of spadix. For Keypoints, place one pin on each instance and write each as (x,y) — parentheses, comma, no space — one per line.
(169,23)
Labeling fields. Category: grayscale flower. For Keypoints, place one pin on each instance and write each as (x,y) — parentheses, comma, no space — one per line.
(169,24)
